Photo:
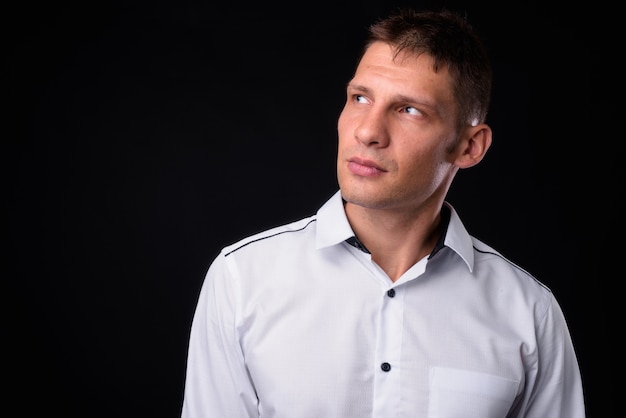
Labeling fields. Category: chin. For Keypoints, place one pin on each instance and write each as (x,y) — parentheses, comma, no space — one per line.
(366,199)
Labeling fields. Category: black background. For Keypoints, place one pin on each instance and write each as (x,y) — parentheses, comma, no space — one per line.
(141,137)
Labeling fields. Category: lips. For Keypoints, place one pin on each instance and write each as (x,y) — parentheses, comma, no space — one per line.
(366,168)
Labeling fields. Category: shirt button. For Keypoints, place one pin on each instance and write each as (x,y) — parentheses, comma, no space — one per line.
(391,293)
(385,367)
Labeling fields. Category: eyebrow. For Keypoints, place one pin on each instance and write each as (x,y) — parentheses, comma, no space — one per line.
(358,87)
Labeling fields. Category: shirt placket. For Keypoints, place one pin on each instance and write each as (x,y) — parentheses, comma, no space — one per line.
(387,364)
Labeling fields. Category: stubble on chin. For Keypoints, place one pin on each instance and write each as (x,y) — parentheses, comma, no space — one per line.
(359,195)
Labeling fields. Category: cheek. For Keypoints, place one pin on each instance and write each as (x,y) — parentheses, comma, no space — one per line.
(343,130)
(420,165)
(342,123)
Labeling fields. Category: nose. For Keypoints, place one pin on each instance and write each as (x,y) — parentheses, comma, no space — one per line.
(372,129)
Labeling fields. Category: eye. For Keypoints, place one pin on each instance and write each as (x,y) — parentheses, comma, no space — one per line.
(411,111)
(360,98)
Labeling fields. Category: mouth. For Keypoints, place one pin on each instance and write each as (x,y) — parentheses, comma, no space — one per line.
(365,168)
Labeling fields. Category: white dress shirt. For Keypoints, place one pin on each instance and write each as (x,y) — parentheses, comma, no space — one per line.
(297,322)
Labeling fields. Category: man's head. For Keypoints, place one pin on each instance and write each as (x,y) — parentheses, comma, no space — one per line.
(414,112)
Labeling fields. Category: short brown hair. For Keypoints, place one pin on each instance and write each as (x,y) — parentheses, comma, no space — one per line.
(452,42)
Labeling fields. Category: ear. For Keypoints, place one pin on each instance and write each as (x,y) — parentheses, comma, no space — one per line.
(474,146)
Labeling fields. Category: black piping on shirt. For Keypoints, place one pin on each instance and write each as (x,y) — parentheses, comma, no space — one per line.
(269,236)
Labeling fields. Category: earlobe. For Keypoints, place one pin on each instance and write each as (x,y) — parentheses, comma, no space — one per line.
(475,146)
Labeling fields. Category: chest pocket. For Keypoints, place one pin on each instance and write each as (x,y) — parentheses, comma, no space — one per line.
(456,393)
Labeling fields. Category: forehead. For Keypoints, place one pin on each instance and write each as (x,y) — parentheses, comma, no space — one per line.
(408,70)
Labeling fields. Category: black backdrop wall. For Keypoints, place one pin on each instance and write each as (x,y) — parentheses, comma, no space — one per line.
(143,136)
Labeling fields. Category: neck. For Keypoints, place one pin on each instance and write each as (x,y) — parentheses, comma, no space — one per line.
(396,239)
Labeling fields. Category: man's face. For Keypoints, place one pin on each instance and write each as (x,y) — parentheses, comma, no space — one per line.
(396,132)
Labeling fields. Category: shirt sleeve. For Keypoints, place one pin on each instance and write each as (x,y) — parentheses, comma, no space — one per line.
(554,382)
(217,383)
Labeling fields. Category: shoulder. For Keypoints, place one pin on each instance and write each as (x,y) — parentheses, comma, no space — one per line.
(503,273)
(485,253)
(286,234)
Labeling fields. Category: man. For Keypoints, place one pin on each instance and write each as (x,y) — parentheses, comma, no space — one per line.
(382,304)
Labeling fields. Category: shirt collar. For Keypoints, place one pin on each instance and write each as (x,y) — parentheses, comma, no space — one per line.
(332,223)
(333,228)
(458,239)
